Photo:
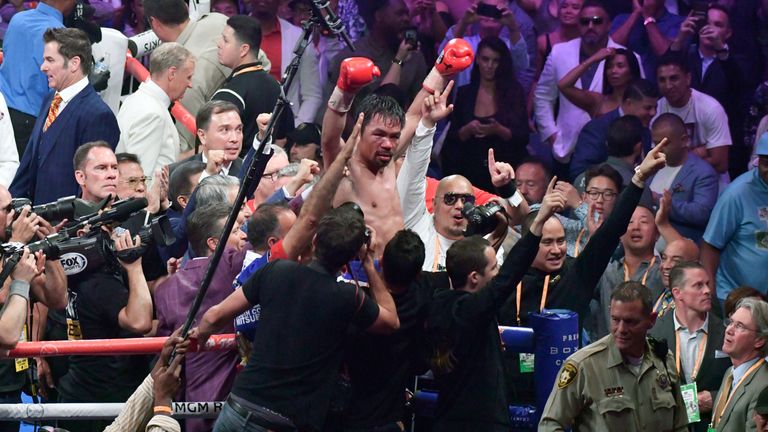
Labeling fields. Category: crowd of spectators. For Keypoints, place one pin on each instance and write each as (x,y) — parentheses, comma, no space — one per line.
(609,143)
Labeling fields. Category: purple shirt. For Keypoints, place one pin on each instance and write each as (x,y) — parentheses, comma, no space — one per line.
(207,376)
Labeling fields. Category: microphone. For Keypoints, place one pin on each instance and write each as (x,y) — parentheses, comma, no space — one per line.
(333,22)
(143,43)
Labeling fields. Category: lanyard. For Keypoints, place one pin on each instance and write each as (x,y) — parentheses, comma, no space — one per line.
(578,243)
(720,408)
(659,302)
(645,275)
(543,296)
(436,260)
(699,357)
(248,69)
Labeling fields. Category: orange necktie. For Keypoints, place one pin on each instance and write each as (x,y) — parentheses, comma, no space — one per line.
(53,111)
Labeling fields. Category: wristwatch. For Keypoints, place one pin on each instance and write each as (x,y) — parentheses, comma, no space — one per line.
(648,21)
(397,61)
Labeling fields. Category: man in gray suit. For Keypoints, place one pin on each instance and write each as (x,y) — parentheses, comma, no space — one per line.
(694,335)
(744,342)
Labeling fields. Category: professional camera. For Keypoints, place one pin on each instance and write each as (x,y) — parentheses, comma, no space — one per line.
(53,213)
(95,250)
(480,219)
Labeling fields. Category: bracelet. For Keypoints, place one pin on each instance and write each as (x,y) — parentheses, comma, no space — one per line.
(162,409)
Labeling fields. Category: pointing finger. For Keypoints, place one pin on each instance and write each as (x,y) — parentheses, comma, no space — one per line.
(551,184)
(491,160)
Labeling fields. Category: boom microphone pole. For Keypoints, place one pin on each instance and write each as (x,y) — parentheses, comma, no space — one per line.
(253,167)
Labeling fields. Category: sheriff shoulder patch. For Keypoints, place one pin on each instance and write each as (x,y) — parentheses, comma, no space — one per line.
(567,375)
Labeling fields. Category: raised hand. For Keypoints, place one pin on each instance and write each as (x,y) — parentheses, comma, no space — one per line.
(216,160)
(501,173)
(436,106)
(653,162)
(594,218)
(665,204)
(456,56)
(554,201)
(354,138)
(570,193)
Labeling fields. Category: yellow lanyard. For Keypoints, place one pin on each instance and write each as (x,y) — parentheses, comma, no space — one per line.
(577,248)
(248,69)
(659,301)
(645,275)
(436,260)
(543,301)
(699,356)
(720,408)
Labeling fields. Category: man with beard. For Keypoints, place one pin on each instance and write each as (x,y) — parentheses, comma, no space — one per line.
(561,132)
(387,21)
(693,335)
(386,132)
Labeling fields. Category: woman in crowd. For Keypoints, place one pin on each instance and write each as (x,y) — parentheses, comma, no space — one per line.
(133,18)
(621,68)
(489,113)
(567,29)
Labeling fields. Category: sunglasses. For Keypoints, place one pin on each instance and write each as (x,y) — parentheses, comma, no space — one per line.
(450,198)
(595,20)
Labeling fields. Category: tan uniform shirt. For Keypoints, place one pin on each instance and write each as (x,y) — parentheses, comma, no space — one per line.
(596,391)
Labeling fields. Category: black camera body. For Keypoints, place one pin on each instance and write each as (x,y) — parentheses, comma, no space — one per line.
(96,251)
(481,220)
(488,10)
(53,212)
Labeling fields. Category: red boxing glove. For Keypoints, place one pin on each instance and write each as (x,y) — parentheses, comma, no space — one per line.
(355,73)
(457,55)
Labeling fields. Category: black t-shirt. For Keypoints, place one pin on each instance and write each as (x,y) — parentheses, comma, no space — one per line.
(379,366)
(95,300)
(298,345)
(254,92)
(467,360)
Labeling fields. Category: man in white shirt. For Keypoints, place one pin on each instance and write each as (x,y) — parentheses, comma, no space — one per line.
(561,132)
(704,118)
(220,132)
(146,126)
(446,225)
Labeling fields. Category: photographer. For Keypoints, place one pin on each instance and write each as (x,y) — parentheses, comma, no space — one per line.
(47,286)
(106,304)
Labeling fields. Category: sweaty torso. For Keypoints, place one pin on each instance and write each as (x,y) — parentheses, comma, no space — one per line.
(376,194)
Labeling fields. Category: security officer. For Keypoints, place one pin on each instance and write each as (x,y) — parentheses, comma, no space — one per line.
(621,382)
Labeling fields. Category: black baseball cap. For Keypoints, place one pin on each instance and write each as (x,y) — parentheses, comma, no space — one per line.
(305,133)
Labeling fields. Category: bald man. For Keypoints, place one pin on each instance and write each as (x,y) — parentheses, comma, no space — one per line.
(680,250)
(691,181)
(446,224)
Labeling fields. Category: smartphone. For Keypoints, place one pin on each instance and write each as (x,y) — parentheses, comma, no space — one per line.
(490,11)
(485,120)
(699,10)
(411,37)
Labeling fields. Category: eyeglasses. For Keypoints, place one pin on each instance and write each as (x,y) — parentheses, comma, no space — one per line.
(595,20)
(739,326)
(450,198)
(607,195)
(289,170)
(135,181)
